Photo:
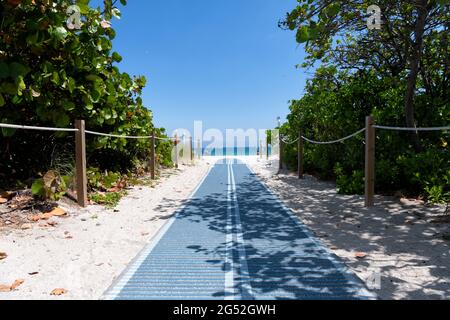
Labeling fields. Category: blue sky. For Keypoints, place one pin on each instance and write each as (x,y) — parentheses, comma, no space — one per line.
(224,62)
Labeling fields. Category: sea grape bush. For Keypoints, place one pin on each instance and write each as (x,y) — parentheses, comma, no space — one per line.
(398,73)
(51,75)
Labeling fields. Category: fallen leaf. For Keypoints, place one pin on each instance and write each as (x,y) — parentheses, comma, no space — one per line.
(4,288)
(35,218)
(57,212)
(14,286)
(26,226)
(58,292)
(3,255)
(6,195)
(360,255)
(17,284)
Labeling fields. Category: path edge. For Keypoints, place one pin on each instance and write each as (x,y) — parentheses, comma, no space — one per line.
(113,291)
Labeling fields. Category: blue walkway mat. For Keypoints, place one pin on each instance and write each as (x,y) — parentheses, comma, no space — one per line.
(235,240)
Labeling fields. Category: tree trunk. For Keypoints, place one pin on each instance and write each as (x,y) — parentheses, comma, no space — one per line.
(422,14)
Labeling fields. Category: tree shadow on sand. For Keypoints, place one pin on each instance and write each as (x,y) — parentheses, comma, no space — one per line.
(399,238)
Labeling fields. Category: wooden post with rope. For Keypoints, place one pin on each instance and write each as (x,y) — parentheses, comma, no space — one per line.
(176,150)
(370,162)
(281,151)
(301,160)
(80,159)
(153,156)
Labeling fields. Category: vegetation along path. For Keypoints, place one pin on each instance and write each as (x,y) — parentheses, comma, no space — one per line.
(235,240)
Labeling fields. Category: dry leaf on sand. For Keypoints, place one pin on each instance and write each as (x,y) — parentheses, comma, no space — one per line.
(14,286)
(58,292)
(3,255)
(34,218)
(17,284)
(57,212)
(4,288)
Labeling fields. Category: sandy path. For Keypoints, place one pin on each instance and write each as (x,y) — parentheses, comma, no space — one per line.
(401,241)
(90,248)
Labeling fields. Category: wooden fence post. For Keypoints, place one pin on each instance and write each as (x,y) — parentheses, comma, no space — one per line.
(300,156)
(199,149)
(370,162)
(176,151)
(153,156)
(281,151)
(80,159)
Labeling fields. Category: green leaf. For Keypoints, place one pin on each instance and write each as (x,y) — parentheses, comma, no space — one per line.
(333,9)
(2,100)
(95,95)
(20,85)
(71,84)
(60,33)
(116,13)
(55,77)
(38,187)
(83,5)
(116,57)
(69,106)
(303,34)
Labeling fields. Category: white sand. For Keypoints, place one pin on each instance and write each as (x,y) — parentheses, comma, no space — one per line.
(100,242)
(399,237)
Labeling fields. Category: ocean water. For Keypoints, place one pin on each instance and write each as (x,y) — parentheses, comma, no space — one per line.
(247,151)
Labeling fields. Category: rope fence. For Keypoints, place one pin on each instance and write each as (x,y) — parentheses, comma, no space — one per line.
(412,129)
(292,142)
(14,126)
(20,127)
(369,151)
(80,151)
(336,141)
